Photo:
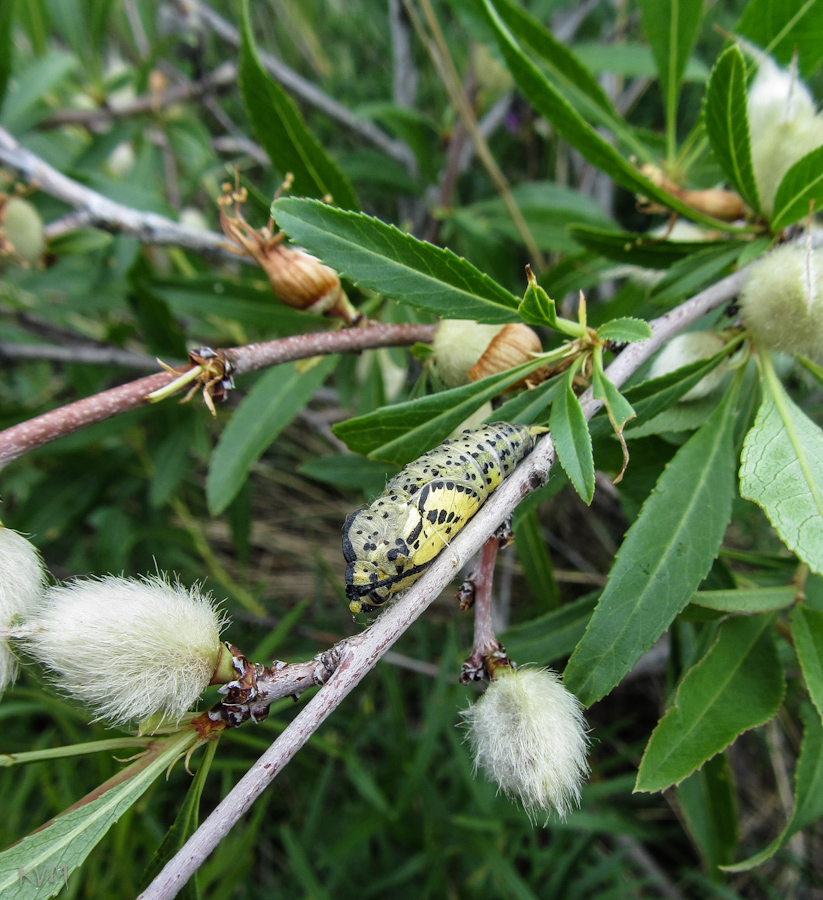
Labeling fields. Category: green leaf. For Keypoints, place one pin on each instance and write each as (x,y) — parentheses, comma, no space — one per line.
(689,275)
(84,240)
(570,76)
(807,633)
(6,46)
(736,686)
(348,470)
(747,600)
(551,636)
(280,128)
(534,558)
(537,307)
(184,826)
(383,259)
(808,789)
(782,470)
(69,838)
(665,555)
(269,407)
(573,128)
(400,433)
(631,59)
(707,802)
(528,406)
(572,440)
(626,330)
(671,27)
(727,124)
(688,415)
(636,249)
(785,27)
(801,185)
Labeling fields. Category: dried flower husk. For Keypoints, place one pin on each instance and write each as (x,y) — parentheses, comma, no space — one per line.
(727,206)
(513,345)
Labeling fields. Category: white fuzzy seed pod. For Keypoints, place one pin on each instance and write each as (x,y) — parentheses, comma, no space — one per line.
(783,126)
(128,648)
(22,581)
(688,348)
(528,733)
(782,301)
(457,345)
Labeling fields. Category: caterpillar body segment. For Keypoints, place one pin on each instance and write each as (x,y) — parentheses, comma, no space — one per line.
(389,545)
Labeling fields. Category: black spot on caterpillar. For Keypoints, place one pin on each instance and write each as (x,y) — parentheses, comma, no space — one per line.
(389,545)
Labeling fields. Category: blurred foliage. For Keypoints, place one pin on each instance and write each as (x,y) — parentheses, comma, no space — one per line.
(383,799)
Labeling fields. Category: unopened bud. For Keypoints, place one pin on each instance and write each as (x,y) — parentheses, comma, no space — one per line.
(22,231)
(528,733)
(128,648)
(22,580)
(782,301)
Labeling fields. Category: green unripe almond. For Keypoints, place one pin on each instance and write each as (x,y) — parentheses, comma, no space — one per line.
(782,301)
(686,349)
(23,229)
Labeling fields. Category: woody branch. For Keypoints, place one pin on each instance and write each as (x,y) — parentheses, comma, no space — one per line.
(360,654)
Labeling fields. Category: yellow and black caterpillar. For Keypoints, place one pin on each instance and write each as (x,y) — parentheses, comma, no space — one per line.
(389,545)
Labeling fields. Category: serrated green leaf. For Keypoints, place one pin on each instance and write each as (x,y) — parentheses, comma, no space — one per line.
(665,555)
(684,416)
(808,789)
(570,76)
(638,249)
(707,802)
(801,186)
(572,441)
(384,259)
(727,124)
(534,558)
(400,433)
(807,633)
(527,407)
(551,636)
(736,686)
(537,307)
(783,28)
(280,128)
(617,406)
(747,600)
(625,329)
(782,470)
(183,827)
(573,128)
(267,409)
(671,27)
(69,839)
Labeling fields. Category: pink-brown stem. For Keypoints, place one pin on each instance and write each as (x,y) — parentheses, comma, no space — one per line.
(27,436)
(486,647)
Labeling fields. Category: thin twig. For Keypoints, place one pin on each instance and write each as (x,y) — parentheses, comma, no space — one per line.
(84,355)
(304,89)
(438,49)
(362,652)
(147,227)
(404,72)
(146,104)
(22,438)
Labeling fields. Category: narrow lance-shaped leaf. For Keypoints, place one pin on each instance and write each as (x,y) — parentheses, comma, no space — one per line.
(400,433)
(269,407)
(625,329)
(671,27)
(736,686)
(573,128)
(747,600)
(618,408)
(800,191)
(384,259)
(808,789)
(572,441)
(290,145)
(707,802)
(782,469)
(26,867)
(807,633)
(665,555)
(727,124)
